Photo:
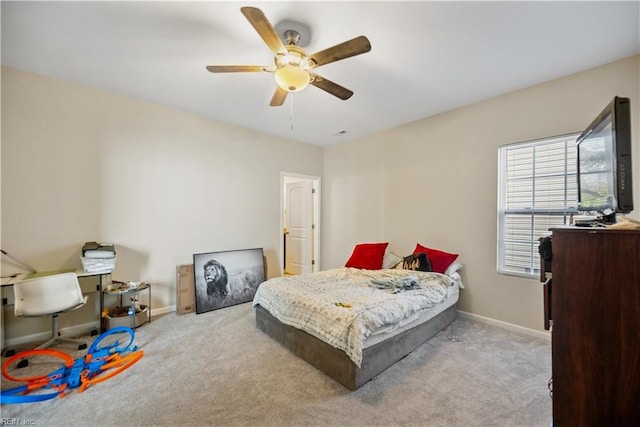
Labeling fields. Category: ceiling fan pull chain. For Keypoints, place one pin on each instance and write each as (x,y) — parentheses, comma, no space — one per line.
(291,111)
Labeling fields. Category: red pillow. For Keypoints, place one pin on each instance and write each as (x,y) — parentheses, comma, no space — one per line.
(439,260)
(367,256)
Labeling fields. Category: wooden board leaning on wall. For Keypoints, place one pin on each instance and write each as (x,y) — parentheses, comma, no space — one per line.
(185,288)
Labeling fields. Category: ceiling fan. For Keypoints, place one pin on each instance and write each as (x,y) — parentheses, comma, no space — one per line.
(292,69)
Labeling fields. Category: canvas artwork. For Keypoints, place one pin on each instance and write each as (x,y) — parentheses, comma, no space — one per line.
(226,278)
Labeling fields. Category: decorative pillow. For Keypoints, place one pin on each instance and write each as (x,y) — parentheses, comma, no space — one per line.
(440,260)
(390,260)
(367,256)
(416,262)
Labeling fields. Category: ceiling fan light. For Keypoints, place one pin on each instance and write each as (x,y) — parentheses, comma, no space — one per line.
(292,59)
(292,78)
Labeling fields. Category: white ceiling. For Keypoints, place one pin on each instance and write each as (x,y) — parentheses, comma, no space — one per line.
(426,57)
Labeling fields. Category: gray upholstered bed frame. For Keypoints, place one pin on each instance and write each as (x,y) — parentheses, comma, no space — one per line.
(335,363)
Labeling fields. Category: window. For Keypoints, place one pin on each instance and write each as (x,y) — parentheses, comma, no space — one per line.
(537,190)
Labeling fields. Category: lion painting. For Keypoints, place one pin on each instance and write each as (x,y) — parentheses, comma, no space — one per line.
(215,275)
(227,278)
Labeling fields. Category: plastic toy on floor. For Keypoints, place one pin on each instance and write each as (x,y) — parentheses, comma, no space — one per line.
(99,364)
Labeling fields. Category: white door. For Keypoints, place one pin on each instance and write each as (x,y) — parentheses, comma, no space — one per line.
(298,222)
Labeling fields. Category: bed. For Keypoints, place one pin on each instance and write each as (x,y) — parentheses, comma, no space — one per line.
(353,323)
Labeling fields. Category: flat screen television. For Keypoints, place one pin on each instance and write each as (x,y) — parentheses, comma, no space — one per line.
(604,162)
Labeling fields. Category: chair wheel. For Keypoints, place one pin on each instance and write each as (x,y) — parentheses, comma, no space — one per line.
(94,333)
(23,363)
(10,352)
(82,346)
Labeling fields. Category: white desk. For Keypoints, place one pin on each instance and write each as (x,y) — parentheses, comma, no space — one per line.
(9,281)
(8,296)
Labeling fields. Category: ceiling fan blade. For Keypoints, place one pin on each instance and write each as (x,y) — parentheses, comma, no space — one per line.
(236,68)
(340,51)
(330,87)
(264,29)
(278,97)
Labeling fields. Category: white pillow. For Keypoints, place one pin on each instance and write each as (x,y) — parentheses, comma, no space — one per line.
(452,271)
(390,260)
(456,278)
(455,266)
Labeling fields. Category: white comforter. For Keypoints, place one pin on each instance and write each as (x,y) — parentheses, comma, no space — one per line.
(308,302)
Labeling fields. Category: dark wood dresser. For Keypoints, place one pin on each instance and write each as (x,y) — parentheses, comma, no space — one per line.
(596,327)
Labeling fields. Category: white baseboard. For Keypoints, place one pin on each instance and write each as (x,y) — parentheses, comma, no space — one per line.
(71,331)
(163,310)
(40,337)
(505,325)
(77,330)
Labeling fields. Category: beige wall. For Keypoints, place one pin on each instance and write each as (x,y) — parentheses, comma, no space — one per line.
(80,164)
(434,182)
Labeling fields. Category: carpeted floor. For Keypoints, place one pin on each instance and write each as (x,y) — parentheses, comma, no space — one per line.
(217,369)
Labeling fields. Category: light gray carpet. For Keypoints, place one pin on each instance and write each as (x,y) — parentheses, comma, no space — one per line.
(217,369)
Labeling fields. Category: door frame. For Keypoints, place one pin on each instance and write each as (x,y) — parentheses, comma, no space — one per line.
(315,212)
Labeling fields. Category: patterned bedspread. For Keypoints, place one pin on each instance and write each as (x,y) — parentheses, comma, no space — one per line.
(342,307)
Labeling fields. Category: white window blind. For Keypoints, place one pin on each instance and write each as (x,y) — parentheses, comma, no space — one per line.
(537,190)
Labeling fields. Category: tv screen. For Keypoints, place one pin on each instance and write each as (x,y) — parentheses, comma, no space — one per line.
(604,161)
(597,192)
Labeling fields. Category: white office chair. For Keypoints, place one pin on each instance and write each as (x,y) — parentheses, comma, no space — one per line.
(49,296)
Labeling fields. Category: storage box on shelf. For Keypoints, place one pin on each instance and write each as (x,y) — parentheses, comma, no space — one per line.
(121,317)
(131,314)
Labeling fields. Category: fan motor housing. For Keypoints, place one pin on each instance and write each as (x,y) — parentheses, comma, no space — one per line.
(303,31)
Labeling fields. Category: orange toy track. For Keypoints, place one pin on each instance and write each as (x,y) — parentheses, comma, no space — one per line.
(99,364)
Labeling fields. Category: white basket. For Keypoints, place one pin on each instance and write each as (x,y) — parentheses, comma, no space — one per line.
(131,321)
(98,265)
